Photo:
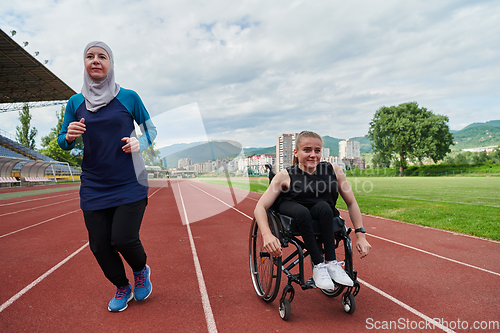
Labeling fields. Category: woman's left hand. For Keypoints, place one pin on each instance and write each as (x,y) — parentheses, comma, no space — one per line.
(132,145)
(363,246)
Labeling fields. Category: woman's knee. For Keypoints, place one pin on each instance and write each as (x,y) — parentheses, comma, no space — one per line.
(121,244)
(322,210)
(297,211)
(101,247)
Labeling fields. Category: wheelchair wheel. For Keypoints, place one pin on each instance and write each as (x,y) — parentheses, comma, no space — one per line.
(349,302)
(285,309)
(265,269)
(333,292)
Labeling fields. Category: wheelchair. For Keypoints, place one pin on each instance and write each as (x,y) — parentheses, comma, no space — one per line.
(266,270)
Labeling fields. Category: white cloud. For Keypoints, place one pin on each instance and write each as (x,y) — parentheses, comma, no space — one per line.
(261,69)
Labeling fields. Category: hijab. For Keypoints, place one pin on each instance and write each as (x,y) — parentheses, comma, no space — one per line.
(98,93)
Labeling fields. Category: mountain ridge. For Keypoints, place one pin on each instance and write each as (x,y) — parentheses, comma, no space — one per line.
(472,136)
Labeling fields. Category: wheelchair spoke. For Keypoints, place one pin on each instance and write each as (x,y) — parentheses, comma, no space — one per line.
(266,270)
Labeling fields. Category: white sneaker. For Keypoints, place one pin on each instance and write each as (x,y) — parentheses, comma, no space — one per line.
(321,277)
(338,274)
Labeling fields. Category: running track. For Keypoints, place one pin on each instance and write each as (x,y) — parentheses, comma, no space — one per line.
(198,250)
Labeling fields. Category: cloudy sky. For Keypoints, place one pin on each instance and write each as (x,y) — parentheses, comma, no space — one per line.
(252,70)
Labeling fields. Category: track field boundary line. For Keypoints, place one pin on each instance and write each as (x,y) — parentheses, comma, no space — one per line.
(40,279)
(407,307)
(432,228)
(435,255)
(24,210)
(36,199)
(209,317)
(34,225)
(432,200)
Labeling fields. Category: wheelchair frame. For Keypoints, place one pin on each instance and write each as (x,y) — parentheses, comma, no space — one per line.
(266,270)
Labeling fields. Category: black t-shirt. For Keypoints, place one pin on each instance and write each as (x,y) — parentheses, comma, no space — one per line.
(309,189)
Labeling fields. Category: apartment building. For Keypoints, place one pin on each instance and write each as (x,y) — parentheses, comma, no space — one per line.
(349,149)
(184,163)
(258,162)
(285,144)
(325,154)
(350,154)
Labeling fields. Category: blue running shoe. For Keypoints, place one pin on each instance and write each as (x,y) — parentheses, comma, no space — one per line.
(122,297)
(143,286)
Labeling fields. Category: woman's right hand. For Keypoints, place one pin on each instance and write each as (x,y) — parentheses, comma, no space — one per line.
(272,245)
(75,129)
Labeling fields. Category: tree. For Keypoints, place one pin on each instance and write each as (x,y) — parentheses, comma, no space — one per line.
(494,156)
(482,157)
(54,132)
(407,131)
(25,135)
(380,160)
(461,159)
(150,155)
(435,137)
(55,152)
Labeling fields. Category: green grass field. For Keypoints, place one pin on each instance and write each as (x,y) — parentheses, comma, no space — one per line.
(469,205)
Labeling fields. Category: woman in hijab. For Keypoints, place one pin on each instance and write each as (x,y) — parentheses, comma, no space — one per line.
(114,186)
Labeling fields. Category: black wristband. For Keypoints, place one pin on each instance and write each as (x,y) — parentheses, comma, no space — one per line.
(360,230)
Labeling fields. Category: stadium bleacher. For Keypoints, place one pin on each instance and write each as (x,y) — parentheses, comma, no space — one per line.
(19,149)
(9,153)
(18,156)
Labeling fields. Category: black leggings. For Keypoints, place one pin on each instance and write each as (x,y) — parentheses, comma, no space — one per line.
(323,213)
(114,230)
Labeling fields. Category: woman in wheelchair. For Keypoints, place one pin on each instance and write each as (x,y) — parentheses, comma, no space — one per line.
(308,191)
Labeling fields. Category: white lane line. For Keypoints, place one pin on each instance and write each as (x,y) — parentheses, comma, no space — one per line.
(149,196)
(209,317)
(435,255)
(37,281)
(385,239)
(24,210)
(435,200)
(50,271)
(430,228)
(242,194)
(36,199)
(431,321)
(239,211)
(34,225)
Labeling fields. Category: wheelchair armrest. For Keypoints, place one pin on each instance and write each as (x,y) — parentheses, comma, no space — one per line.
(339,226)
(286,223)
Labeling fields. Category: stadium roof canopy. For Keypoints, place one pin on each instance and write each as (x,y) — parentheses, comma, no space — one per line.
(24,79)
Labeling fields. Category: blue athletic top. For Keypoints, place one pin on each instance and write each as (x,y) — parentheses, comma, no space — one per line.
(110,177)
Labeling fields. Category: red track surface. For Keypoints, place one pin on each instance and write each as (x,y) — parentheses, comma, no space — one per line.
(413,273)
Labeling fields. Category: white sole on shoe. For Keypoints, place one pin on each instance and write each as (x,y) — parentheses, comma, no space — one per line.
(126,304)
